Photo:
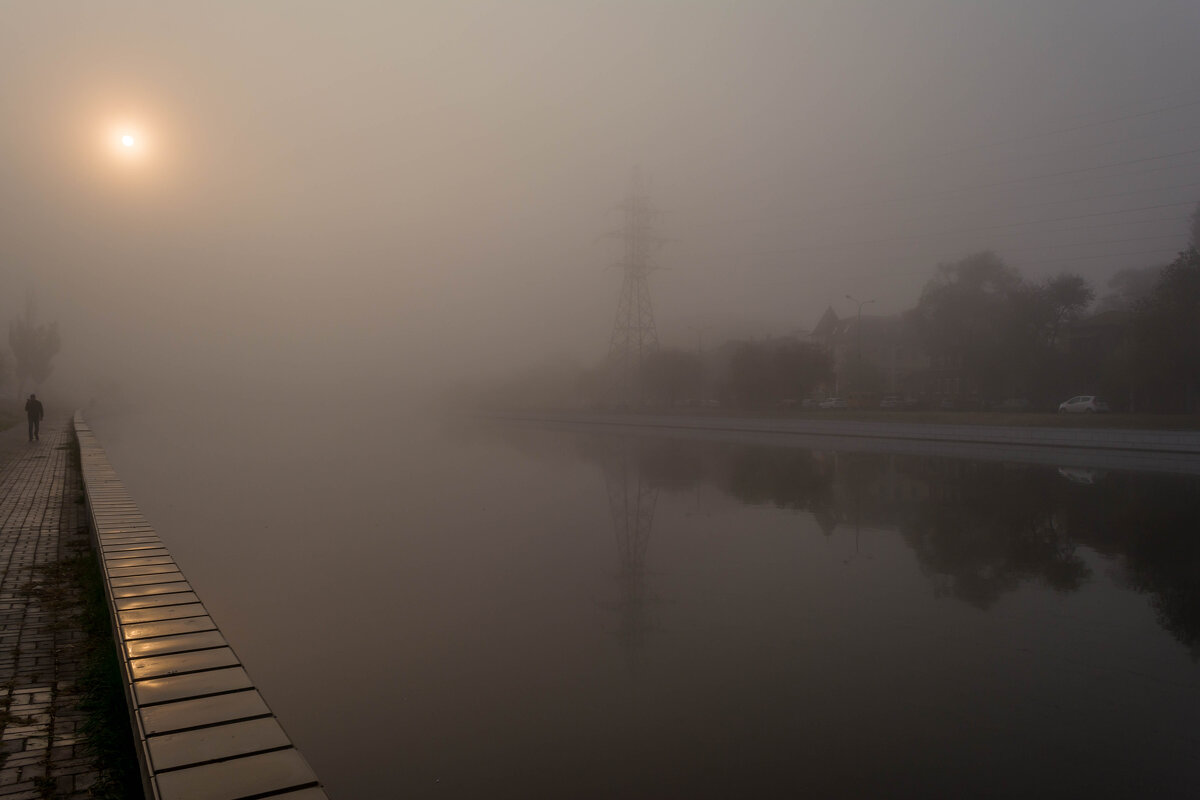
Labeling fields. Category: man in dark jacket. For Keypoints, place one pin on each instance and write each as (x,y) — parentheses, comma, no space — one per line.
(34,413)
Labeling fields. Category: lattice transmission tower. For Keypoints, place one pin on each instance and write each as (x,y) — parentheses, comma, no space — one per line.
(634,336)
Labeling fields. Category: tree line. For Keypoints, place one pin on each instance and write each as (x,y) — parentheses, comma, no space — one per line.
(987,529)
(995,334)
(1004,334)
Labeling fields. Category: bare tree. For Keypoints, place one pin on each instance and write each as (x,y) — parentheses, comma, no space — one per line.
(33,346)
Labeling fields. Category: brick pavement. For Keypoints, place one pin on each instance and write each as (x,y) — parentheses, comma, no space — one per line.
(42,752)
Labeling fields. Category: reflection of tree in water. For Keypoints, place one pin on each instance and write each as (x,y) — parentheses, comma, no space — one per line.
(992,528)
(1150,525)
(797,479)
(979,529)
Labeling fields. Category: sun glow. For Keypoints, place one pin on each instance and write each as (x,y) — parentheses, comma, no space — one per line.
(127,141)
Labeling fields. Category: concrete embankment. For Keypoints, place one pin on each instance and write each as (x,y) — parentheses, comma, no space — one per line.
(1098,448)
(203,730)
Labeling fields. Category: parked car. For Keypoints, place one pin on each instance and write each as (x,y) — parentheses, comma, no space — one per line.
(863,400)
(1013,404)
(834,402)
(891,401)
(808,402)
(1082,404)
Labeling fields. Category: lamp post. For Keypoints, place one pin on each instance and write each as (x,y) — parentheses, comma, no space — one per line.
(858,336)
(858,325)
(702,384)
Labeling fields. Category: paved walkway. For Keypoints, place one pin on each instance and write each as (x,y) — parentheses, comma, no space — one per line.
(41,523)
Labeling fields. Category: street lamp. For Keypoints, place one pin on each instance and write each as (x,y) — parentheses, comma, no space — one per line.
(699,329)
(858,324)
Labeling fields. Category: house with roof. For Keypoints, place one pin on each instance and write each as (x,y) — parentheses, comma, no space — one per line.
(873,353)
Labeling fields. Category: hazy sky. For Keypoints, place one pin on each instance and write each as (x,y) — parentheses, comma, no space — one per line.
(327,191)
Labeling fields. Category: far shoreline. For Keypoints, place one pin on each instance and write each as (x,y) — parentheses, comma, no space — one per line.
(1120,421)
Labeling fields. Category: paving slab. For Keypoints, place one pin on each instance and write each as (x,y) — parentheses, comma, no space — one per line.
(205,711)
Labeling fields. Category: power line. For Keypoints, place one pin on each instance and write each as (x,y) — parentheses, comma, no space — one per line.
(1083,126)
(1162,98)
(1043,204)
(977,229)
(1036,156)
(1029,137)
(1077,148)
(1114,194)
(930,270)
(1139,254)
(1091,244)
(994,184)
(1032,178)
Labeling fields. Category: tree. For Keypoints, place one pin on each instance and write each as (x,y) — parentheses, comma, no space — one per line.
(1129,287)
(861,375)
(1035,316)
(1167,336)
(33,346)
(799,367)
(670,375)
(749,378)
(764,373)
(1004,331)
(1194,229)
(961,318)
(1066,297)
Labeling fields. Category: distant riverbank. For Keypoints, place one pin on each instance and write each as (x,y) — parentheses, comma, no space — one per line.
(1070,444)
(1128,422)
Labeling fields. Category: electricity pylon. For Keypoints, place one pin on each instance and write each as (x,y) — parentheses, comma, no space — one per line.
(634,336)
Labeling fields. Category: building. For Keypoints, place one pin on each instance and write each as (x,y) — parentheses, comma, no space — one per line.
(880,354)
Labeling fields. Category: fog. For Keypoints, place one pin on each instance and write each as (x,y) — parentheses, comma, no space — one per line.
(328,213)
(382,197)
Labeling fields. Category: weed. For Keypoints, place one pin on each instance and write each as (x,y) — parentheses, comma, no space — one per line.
(46,786)
(102,697)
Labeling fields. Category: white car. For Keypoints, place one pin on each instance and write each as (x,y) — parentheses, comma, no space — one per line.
(1085,477)
(833,402)
(1083,404)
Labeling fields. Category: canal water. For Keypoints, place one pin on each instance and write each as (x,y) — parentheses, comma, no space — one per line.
(463,610)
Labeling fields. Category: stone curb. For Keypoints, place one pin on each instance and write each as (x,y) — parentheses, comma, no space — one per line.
(203,731)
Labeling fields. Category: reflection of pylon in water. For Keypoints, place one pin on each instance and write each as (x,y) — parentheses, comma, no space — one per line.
(631,502)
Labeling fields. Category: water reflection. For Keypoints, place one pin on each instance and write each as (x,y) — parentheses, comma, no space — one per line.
(979,530)
(799,622)
(631,503)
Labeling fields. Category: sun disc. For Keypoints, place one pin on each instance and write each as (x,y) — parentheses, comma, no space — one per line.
(127,140)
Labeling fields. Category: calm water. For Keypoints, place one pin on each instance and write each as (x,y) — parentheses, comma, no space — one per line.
(475,611)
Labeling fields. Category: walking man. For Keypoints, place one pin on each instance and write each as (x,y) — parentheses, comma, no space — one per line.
(34,413)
